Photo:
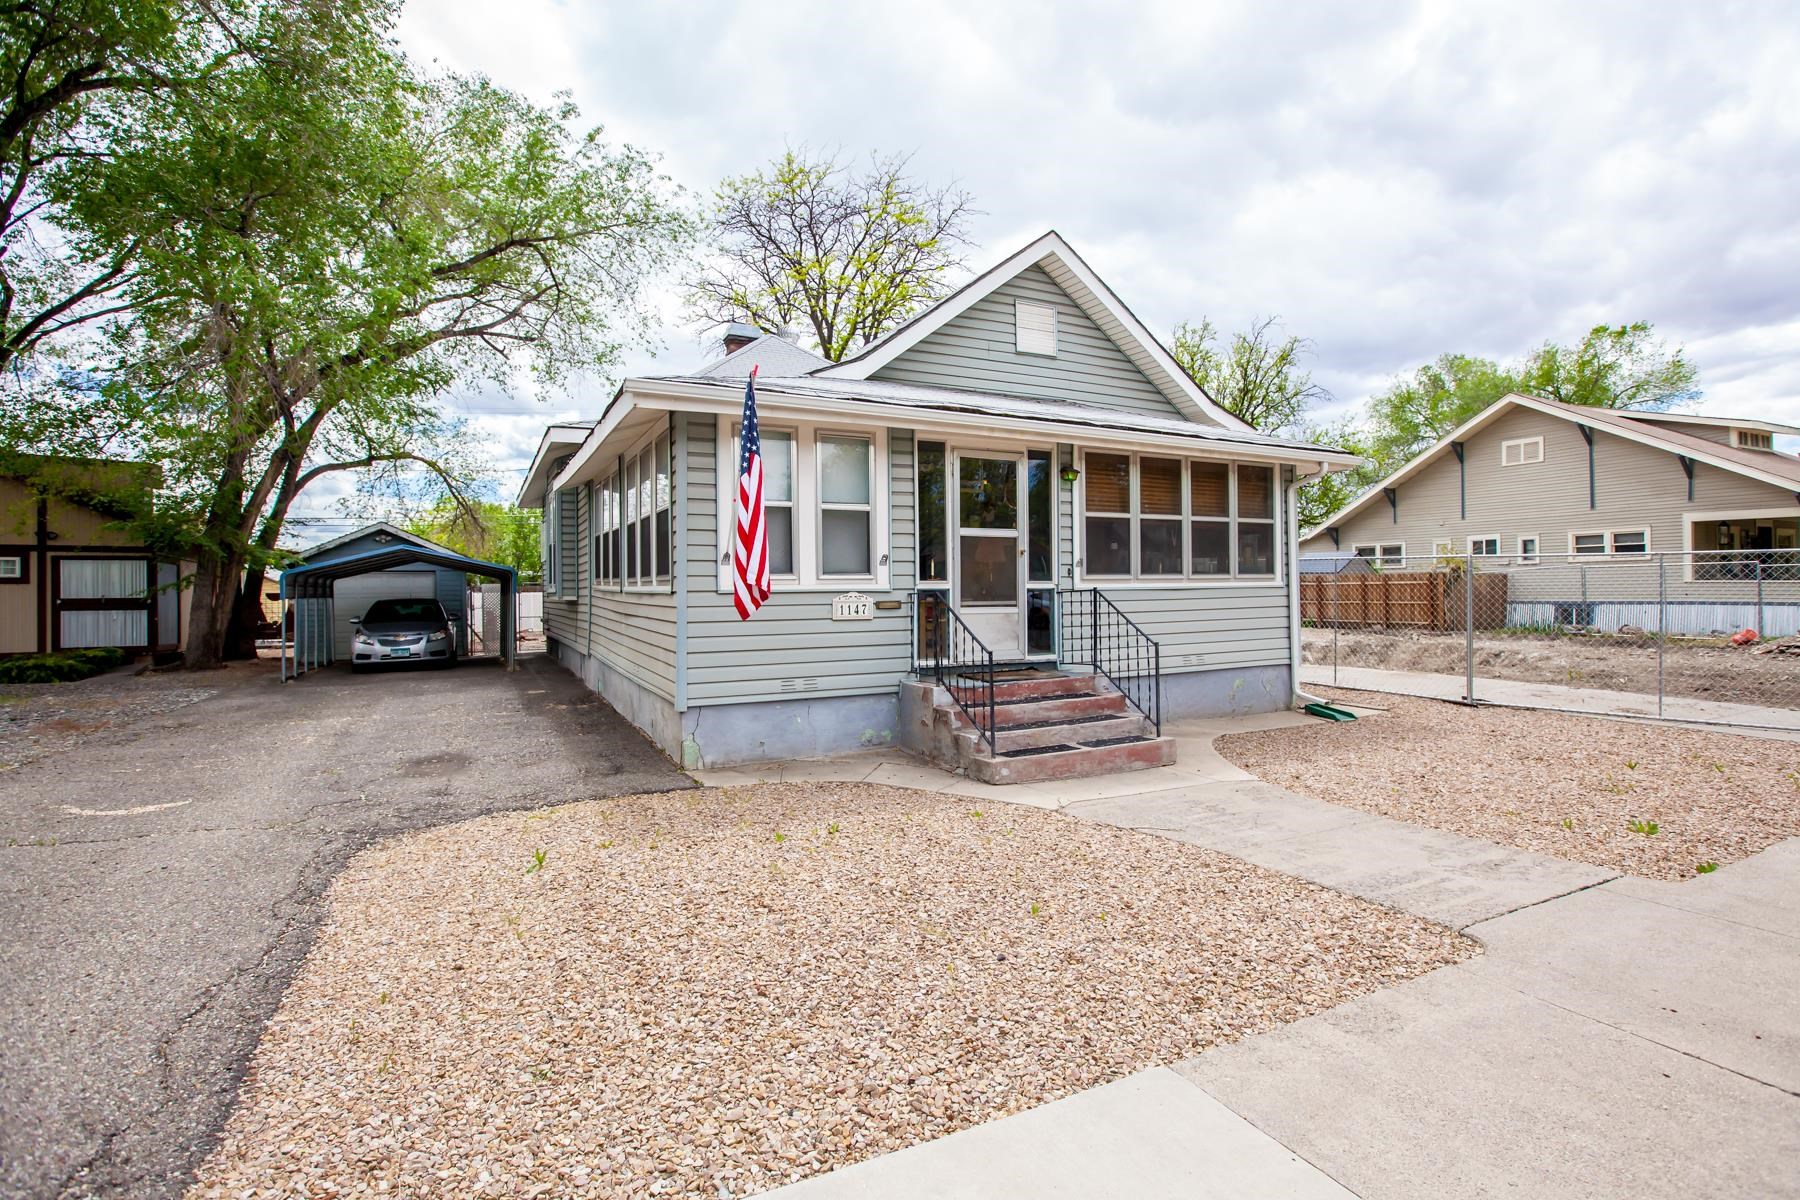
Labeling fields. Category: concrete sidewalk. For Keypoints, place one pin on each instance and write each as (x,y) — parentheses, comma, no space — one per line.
(1620,1037)
(1749,719)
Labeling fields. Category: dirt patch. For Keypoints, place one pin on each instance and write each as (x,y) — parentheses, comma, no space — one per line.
(716,992)
(39,719)
(1612,662)
(1650,801)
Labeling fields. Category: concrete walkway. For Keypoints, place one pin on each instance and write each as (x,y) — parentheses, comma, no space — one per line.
(1619,1037)
(1748,718)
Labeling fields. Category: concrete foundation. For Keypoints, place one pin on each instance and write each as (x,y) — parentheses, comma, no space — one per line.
(723,734)
(1235,692)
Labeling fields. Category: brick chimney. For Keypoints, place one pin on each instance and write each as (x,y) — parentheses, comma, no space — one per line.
(738,335)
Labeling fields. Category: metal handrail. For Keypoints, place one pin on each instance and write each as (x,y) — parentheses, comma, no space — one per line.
(1116,647)
(962,665)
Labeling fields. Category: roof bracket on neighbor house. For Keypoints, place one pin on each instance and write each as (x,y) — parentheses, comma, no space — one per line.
(1393,499)
(1462,479)
(1687,468)
(1332,533)
(1587,435)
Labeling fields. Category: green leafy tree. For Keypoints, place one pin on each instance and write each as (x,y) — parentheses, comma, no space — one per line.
(327,240)
(1257,377)
(848,254)
(1415,412)
(1614,366)
(485,529)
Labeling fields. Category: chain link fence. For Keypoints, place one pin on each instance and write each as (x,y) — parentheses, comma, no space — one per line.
(1708,637)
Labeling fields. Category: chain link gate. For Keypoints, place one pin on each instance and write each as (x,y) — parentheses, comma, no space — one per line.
(1706,637)
(485,629)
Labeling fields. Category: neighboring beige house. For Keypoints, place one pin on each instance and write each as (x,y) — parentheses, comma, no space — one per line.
(70,576)
(1586,506)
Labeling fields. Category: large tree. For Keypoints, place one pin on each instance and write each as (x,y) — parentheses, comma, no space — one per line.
(846,252)
(488,530)
(1257,376)
(322,249)
(1415,412)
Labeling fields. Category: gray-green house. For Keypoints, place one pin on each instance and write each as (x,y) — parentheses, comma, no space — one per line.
(989,467)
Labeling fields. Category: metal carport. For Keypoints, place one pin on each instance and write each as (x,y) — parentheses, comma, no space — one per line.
(307,596)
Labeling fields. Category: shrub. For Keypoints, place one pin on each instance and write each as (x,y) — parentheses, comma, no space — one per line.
(65,666)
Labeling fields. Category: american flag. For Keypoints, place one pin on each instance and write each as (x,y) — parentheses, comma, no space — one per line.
(750,552)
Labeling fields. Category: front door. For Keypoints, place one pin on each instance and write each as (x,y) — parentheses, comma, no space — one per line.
(989,582)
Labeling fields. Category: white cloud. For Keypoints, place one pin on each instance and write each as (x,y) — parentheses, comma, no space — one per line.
(1395,182)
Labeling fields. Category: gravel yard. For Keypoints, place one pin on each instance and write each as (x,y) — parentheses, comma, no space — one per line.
(1645,800)
(37,719)
(711,993)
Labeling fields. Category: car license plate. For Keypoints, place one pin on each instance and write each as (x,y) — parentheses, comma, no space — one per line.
(400,653)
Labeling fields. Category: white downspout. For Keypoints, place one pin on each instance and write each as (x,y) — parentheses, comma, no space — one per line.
(1298,698)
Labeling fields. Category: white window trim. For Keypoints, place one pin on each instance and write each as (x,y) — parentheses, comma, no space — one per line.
(806,577)
(657,582)
(551,550)
(1689,520)
(1533,559)
(1611,551)
(1525,444)
(1377,557)
(1019,307)
(1186,580)
(1764,439)
(1483,537)
(12,566)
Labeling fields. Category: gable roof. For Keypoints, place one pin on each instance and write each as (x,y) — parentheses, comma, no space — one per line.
(1781,470)
(393,532)
(777,357)
(1089,292)
(537,475)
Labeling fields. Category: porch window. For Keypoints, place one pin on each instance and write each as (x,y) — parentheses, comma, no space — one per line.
(663,501)
(1148,517)
(1746,547)
(934,558)
(605,520)
(1108,493)
(846,488)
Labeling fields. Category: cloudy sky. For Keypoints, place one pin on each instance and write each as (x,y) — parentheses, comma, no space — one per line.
(1393,181)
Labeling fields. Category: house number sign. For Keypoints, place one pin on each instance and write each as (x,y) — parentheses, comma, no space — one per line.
(852,606)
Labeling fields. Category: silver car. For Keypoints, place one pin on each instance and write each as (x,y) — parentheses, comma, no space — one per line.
(394,631)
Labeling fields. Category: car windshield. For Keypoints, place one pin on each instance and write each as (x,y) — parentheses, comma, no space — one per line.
(420,611)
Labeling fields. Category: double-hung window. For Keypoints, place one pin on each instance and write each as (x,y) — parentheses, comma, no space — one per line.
(1486,547)
(1152,517)
(645,517)
(846,505)
(552,541)
(605,523)
(824,505)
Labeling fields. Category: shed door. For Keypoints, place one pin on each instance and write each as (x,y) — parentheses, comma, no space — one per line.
(354,594)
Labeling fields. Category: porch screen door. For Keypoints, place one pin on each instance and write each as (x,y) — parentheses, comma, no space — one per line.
(990,564)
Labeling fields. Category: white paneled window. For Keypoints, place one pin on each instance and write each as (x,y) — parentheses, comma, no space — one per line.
(646,515)
(1630,541)
(1387,554)
(1034,327)
(551,541)
(12,567)
(1528,549)
(605,522)
(1581,544)
(1517,452)
(1485,546)
(824,505)
(846,505)
(1150,517)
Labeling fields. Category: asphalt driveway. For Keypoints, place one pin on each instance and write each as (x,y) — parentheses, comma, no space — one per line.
(160,883)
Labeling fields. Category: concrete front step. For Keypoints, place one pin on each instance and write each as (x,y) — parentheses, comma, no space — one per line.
(1037,686)
(1058,708)
(1078,763)
(1094,729)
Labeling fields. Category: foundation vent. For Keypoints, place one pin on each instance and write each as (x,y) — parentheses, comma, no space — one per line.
(800,685)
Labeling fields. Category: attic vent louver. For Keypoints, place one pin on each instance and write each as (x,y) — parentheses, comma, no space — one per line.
(1034,328)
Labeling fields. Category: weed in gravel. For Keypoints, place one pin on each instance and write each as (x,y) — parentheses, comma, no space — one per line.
(605,843)
(976,813)
(1568,824)
(832,829)
(780,837)
(537,861)
(1035,910)
(1706,868)
(383,998)
(1647,828)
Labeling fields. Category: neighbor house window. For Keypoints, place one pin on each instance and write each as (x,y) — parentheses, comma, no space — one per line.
(1528,549)
(12,567)
(1631,541)
(1587,544)
(1746,547)
(846,505)
(1387,554)
(1752,439)
(1152,517)
(1487,546)
(1516,452)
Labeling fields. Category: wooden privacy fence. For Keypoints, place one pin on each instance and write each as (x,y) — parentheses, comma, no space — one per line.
(1434,600)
